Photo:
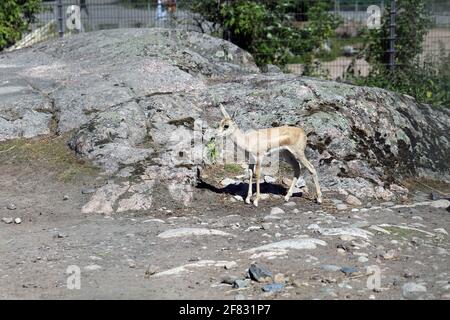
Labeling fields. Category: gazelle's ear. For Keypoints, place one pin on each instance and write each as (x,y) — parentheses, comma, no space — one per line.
(224,112)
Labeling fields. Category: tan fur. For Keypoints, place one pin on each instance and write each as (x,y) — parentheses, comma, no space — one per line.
(261,142)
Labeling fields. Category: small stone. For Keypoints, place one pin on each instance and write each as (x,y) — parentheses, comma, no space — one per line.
(239,284)
(238,198)
(330,267)
(441,204)
(65,197)
(259,273)
(229,265)
(17,221)
(87,190)
(266,225)
(348,271)
(295,211)
(272,217)
(341,206)
(279,278)
(269,179)
(151,270)
(11,206)
(131,263)
(340,250)
(7,220)
(347,237)
(92,267)
(362,259)
(290,204)
(388,255)
(227,181)
(441,230)
(240,297)
(229,279)
(59,235)
(353,201)
(273,287)
(412,290)
(276,210)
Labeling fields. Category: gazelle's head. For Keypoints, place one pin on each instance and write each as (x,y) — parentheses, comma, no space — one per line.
(227,125)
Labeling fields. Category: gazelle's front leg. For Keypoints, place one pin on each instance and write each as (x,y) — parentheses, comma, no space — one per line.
(258,175)
(250,184)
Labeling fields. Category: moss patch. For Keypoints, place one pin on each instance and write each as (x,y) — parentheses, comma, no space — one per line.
(48,153)
(404,233)
(233,168)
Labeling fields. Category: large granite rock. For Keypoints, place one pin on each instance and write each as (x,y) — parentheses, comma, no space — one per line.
(133,98)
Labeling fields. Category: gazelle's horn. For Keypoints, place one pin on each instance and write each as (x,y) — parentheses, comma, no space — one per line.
(224,112)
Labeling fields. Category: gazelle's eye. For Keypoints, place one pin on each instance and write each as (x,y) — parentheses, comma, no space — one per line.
(226,126)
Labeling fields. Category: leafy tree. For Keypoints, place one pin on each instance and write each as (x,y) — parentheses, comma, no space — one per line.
(412,24)
(267,29)
(15,17)
(425,78)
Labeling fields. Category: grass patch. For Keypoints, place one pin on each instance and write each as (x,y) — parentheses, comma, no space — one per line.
(404,233)
(51,153)
(233,168)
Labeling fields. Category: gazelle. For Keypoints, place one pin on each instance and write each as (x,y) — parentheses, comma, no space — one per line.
(259,143)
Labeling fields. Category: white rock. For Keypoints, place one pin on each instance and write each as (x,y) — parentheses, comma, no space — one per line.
(298,243)
(362,259)
(227,181)
(17,221)
(352,200)
(276,210)
(199,264)
(7,220)
(184,232)
(154,220)
(290,204)
(411,289)
(269,179)
(341,206)
(442,203)
(350,231)
(441,230)
(272,217)
(92,267)
(346,237)
(238,198)
(104,198)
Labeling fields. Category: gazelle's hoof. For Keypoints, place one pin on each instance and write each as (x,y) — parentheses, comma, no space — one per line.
(286,198)
(247,200)
(255,203)
(319,200)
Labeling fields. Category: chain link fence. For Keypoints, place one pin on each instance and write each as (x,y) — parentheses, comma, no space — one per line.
(66,17)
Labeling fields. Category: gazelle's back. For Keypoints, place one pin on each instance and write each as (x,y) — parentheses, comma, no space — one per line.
(278,137)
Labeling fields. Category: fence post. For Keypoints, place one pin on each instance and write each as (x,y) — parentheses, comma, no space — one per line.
(392,35)
(59,13)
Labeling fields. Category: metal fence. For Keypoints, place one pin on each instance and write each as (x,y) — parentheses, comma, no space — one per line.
(339,52)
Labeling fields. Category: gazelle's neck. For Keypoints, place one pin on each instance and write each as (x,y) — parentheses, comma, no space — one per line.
(239,139)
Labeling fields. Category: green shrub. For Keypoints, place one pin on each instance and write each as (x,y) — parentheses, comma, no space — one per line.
(15,17)
(268,29)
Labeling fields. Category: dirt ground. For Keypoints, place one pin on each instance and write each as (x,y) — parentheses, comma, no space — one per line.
(126,257)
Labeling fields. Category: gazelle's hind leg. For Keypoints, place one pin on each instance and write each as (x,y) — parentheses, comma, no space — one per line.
(251,169)
(258,176)
(290,158)
(312,170)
